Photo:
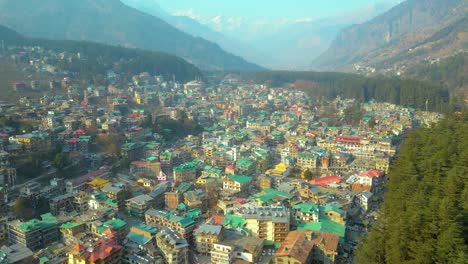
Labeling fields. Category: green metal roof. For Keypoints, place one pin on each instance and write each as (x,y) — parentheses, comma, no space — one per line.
(325,225)
(184,187)
(240,178)
(185,167)
(150,229)
(115,224)
(307,208)
(232,221)
(48,220)
(181,207)
(331,207)
(244,163)
(138,238)
(193,213)
(70,225)
(152,158)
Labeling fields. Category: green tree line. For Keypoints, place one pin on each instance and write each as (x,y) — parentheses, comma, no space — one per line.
(329,85)
(424,216)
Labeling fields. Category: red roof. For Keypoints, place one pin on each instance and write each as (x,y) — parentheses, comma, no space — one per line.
(345,139)
(73,140)
(79,132)
(371,173)
(134,115)
(90,176)
(139,163)
(216,220)
(240,200)
(325,181)
(4,135)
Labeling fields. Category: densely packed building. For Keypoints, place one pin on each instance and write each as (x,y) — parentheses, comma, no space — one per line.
(267,176)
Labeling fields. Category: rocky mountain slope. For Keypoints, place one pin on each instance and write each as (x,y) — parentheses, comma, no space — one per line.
(404,36)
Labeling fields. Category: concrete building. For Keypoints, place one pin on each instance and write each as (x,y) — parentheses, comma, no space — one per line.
(206,236)
(173,247)
(270,223)
(34,234)
(184,173)
(236,183)
(184,226)
(16,254)
(105,250)
(308,247)
(137,206)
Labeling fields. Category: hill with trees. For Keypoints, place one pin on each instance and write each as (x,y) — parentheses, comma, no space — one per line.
(91,65)
(424,216)
(402,37)
(112,22)
(329,85)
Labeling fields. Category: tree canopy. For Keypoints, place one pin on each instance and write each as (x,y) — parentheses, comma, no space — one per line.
(424,216)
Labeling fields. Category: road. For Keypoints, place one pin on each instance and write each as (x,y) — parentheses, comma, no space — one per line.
(49,173)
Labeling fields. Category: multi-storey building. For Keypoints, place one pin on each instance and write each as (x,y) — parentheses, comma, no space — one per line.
(185,172)
(270,223)
(137,206)
(236,183)
(172,199)
(173,247)
(184,226)
(206,236)
(17,254)
(307,160)
(105,250)
(222,253)
(34,234)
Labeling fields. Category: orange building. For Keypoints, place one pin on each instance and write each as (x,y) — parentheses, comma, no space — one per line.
(104,250)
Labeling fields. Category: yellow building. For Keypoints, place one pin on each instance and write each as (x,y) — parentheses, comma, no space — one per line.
(307,160)
(173,247)
(98,183)
(206,236)
(279,169)
(270,223)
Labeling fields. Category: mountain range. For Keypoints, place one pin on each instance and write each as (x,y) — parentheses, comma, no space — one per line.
(112,22)
(197,29)
(404,36)
(276,44)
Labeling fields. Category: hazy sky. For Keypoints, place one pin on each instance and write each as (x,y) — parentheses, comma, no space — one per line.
(266,9)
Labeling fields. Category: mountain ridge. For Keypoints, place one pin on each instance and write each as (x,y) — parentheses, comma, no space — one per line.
(394,33)
(112,22)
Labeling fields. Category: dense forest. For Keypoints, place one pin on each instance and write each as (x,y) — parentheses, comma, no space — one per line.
(102,57)
(424,216)
(450,72)
(328,85)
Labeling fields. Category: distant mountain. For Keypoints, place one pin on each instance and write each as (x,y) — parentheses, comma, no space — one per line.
(112,22)
(197,29)
(284,44)
(296,44)
(8,35)
(401,37)
(102,57)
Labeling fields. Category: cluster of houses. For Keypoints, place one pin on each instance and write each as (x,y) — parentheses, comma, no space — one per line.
(272,178)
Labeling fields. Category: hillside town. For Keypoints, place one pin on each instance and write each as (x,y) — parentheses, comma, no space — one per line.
(150,170)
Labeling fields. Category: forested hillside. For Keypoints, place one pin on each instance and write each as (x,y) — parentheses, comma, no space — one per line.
(328,85)
(450,72)
(424,216)
(112,22)
(101,57)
